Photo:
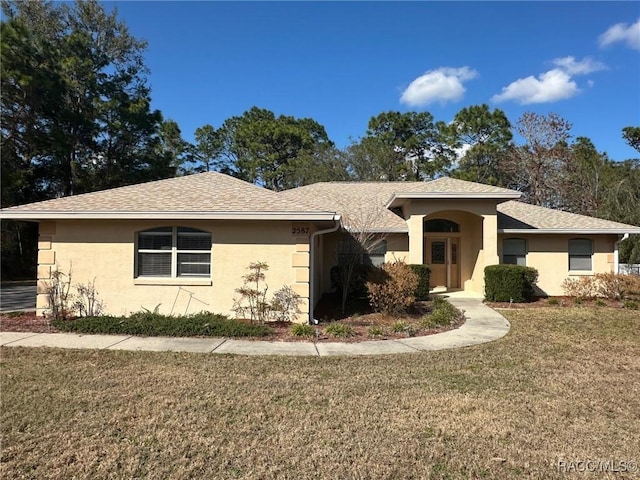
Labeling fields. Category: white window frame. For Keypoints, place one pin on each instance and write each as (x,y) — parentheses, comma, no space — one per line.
(580,254)
(520,254)
(174,252)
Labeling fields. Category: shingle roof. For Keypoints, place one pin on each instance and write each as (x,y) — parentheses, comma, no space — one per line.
(202,193)
(523,216)
(362,204)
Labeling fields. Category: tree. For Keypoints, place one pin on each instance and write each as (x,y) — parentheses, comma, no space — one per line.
(535,167)
(632,136)
(582,178)
(75,106)
(418,141)
(485,137)
(373,159)
(207,150)
(273,151)
(94,122)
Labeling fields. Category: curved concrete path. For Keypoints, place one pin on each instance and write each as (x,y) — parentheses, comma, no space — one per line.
(482,325)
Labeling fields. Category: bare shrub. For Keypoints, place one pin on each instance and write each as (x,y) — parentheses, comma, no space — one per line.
(582,288)
(285,305)
(610,285)
(87,303)
(59,292)
(392,288)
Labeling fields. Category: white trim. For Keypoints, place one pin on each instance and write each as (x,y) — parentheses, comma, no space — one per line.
(450,195)
(50,215)
(184,281)
(571,231)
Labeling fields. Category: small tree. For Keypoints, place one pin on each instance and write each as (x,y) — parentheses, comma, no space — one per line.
(359,240)
(59,292)
(253,294)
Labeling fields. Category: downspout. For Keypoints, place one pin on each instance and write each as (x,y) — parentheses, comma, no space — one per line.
(312,261)
(616,253)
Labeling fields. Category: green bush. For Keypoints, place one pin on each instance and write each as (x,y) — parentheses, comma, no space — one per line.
(423,272)
(336,329)
(302,330)
(631,305)
(399,326)
(443,314)
(553,301)
(375,331)
(504,283)
(154,324)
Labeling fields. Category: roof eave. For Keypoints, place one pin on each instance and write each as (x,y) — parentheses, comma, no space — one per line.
(399,198)
(295,216)
(580,231)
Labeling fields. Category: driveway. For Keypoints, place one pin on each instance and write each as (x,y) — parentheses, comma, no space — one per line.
(17,297)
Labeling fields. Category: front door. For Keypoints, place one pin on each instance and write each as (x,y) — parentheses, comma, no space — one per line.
(436,253)
(441,254)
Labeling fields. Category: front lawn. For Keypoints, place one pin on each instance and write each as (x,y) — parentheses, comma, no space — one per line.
(561,386)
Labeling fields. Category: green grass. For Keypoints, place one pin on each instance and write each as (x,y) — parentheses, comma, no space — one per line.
(154,324)
(562,385)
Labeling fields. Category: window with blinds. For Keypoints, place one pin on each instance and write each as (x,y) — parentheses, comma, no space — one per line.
(580,254)
(173,252)
(514,251)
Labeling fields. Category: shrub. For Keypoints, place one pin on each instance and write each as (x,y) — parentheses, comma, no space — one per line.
(423,272)
(443,314)
(375,331)
(302,330)
(285,305)
(582,288)
(342,330)
(610,285)
(553,301)
(357,286)
(505,283)
(392,289)
(154,324)
(631,305)
(399,326)
(601,303)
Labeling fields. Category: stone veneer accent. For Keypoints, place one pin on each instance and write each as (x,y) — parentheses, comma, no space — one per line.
(46,263)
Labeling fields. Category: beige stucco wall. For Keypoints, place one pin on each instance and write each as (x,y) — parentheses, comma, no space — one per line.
(549,255)
(478,234)
(105,250)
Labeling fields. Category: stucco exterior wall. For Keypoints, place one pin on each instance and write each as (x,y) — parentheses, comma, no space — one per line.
(549,254)
(105,250)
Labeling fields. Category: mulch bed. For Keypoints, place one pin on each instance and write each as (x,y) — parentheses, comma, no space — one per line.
(359,322)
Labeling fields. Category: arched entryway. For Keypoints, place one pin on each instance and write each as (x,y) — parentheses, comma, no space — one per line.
(442,252)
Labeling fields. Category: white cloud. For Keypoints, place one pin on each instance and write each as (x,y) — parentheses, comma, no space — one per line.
(621,32)
(556,84)
(440,85)
(551,86)
(582,67)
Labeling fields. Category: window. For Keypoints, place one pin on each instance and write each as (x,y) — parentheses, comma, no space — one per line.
(514,251)
(350,250)
(377,253)
(580,253)
(174,252)
(441,225)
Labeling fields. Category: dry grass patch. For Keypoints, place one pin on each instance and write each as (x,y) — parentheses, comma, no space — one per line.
(563,385)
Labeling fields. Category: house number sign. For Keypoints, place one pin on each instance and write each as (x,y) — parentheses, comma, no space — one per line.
(300,230)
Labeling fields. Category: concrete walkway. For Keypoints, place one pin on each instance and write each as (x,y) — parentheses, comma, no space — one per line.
(482,325)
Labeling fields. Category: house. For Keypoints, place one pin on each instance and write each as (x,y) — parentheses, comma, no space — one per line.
(183,244)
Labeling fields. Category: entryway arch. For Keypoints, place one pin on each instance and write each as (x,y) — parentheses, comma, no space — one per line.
(442,252)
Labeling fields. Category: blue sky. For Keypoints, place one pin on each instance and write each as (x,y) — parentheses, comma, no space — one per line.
(342,63)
